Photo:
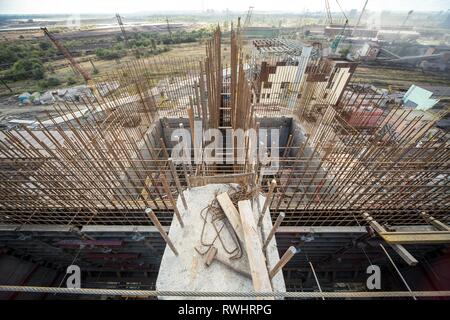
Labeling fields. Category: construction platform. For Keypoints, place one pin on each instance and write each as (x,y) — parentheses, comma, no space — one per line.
(188,271)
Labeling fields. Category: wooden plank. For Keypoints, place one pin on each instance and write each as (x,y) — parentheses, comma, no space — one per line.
(232,214)
(258,269)
(416,237)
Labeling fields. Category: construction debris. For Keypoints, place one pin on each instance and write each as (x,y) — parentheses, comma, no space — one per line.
(71,94)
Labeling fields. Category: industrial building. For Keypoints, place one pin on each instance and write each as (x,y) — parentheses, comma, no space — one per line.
(344,183)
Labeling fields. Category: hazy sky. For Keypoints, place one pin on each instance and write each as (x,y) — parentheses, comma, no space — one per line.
(131,6)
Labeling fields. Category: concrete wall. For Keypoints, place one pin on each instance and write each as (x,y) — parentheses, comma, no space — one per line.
(168,125)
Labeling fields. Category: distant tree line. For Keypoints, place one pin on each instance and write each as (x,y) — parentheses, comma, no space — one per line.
(149,44)
(24,60)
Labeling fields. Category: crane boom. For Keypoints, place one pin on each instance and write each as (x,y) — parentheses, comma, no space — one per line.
(67,55)
(407,17)
(122,28)
(168,28)
(341,36)
(248,18)
(327,8)
(360,16)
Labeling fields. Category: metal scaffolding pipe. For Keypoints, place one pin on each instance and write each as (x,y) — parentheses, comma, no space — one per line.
(156,293)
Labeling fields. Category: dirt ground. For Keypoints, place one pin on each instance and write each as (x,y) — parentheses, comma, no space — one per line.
(399,79)
(10,109)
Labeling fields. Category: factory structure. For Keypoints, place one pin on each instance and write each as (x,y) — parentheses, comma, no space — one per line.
(150,190)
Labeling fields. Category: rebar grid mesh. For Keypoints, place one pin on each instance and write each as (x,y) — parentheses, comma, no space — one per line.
(101,163)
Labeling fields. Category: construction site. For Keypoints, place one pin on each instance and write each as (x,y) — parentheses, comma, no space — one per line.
(260,171)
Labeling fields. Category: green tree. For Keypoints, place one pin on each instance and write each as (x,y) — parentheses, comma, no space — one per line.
(109,54)
(44,46)
(26,69)
(344,52)
(49,83)
(8,55)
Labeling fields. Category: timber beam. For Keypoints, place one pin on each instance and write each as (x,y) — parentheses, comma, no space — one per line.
(408,237)
(398,248)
